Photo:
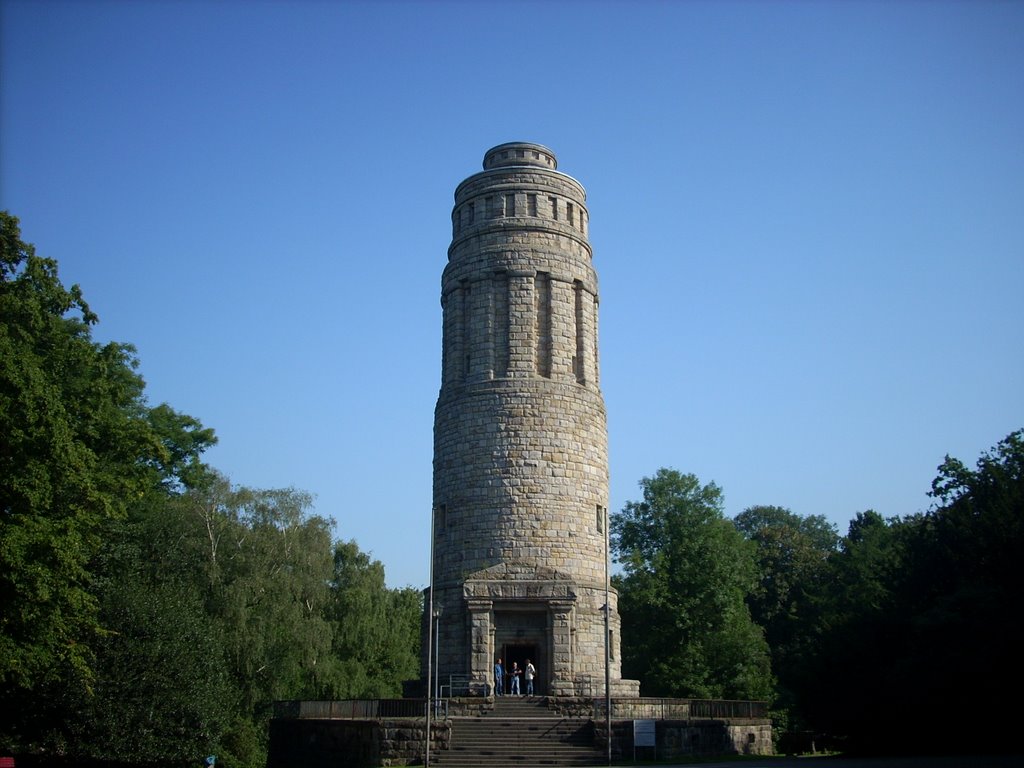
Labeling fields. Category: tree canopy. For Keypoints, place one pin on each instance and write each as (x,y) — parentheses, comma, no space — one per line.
(78,448)
(153,611)
(918,624)
(686,629)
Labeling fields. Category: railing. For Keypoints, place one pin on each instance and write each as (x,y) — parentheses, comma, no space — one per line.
(721,709)
(622,709)
(350,709)
(681,709)
(457,685)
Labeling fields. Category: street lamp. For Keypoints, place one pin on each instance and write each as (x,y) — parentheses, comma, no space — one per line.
(430,640)
(437,654)
(607,634)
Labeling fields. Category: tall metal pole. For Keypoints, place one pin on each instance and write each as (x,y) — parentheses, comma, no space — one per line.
(430,640)
(607,634)
(437,657)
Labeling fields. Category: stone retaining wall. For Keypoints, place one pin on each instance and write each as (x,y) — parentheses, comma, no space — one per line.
(681,739)
(306,743)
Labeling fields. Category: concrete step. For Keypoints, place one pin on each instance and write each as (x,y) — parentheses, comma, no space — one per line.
(522,741)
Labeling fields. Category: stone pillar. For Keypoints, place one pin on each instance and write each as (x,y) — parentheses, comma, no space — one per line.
(481,631)
(562,672)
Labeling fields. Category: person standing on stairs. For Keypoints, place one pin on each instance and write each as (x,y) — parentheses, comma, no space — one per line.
(514,673)
(531,672)
(499,678)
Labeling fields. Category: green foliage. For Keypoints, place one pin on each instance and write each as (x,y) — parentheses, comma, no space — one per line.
(850,649)
(793,554)
(151,611)
(686,628)
(162,691)
(75,442)
(376,630)
(921,612)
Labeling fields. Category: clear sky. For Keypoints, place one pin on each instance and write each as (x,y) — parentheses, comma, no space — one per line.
(807,220)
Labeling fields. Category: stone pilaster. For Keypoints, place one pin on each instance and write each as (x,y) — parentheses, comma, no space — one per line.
(481,632)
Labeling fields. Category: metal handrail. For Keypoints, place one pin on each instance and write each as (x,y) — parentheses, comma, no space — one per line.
(372,709)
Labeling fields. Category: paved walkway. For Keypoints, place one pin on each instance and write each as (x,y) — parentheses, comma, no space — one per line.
(1000,761)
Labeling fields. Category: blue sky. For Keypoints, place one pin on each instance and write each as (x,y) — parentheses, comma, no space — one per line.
(807,220)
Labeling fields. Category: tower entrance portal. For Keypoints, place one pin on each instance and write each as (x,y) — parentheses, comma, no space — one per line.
(519,613)
(521,635)
(516,657)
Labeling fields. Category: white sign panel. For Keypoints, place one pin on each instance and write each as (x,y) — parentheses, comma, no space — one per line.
(643,733)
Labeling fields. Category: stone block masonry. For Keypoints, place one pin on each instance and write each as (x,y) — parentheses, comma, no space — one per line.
(520,436)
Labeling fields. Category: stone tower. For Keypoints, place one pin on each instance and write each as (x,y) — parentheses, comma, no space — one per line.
(520,437)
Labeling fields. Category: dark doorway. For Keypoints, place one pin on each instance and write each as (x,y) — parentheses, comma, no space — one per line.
(519,653)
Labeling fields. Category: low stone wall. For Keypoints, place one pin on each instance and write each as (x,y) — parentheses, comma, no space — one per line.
(309,743)
(681,739)
(682,729)
(470,706)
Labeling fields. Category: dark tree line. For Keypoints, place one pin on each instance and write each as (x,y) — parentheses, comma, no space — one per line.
(150,611)
(899,636)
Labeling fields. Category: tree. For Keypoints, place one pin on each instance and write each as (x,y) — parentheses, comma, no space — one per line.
(74,449)
(376,630)
(846,676)
(162,691)
(217,595)
(264,563)
(686,627)
(793,555)
(79,450)
(959,592)
(922,611)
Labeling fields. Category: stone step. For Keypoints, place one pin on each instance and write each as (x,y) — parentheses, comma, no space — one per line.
(531,741)
(511,706)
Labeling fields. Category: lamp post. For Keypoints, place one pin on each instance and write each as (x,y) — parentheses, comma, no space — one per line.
(430,640)
(438,609)
(607,635)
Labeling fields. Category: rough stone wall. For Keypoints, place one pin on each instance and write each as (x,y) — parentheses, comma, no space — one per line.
(301,743)
(520,435)
(678,739)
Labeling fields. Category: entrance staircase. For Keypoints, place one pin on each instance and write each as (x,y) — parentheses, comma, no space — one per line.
(519,732)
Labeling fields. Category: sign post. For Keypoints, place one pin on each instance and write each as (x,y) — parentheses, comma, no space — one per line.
(644,736)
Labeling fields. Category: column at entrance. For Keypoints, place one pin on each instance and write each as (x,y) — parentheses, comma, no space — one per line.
(561,648)
(481,632)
